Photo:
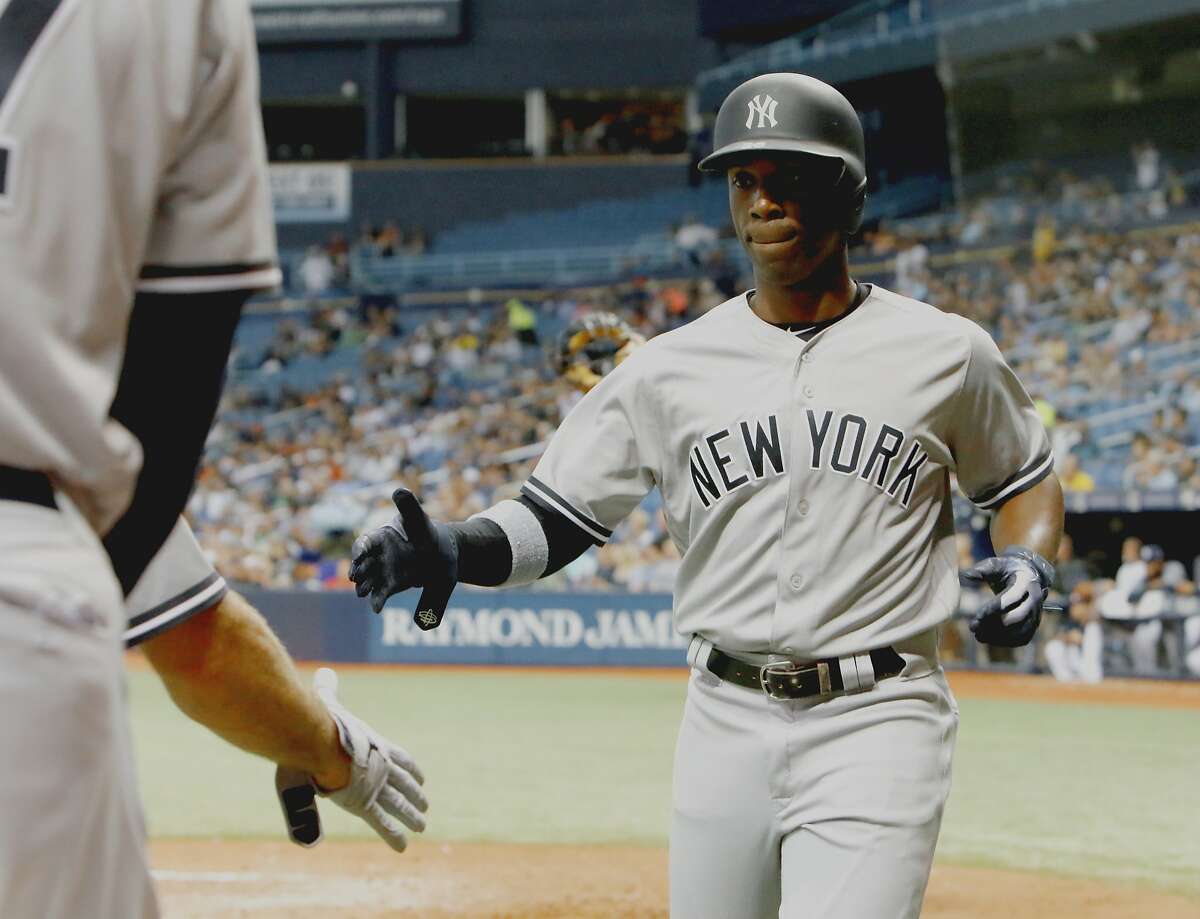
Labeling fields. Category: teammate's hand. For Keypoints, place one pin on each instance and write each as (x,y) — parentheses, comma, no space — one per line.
(409,551)
(1021,579)
(384,781)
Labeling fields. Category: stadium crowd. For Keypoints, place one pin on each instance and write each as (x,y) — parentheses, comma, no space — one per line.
(647,127)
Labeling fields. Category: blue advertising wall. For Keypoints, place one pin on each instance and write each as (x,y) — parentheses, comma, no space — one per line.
(480,627)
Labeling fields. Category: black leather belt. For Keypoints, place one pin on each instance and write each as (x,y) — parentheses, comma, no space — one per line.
(793,680)
(26,485)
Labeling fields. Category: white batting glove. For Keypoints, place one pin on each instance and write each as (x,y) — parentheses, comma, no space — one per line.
(384,780)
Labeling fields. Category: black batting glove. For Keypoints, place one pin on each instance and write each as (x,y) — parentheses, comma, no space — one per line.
(1021,579)
(409,551)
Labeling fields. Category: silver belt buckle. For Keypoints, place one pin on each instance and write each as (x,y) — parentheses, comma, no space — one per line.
(782,667)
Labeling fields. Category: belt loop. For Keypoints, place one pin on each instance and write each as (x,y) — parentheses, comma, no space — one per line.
(849,668)
(866,670)
(698,650)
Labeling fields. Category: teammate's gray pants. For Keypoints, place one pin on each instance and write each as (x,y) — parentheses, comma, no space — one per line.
(71,834)
(810,808)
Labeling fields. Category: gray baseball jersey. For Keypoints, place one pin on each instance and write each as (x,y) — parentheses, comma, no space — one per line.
(131,159)
(178,583)
(806,483)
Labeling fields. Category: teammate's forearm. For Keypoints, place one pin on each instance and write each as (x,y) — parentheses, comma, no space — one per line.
(228,671)
(1033,519)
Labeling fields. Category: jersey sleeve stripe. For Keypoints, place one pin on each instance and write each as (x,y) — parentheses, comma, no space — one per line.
(22,23)
(199,279)
(1022,480)
(195,599)
(200,271)
(547,498)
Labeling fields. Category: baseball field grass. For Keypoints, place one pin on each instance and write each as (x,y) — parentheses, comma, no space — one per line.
(1086,787)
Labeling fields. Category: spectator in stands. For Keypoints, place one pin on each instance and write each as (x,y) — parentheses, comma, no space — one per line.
(1073,476)
(1176,191)
(339,253)
(1188,473)
(695,239)
(1145,469)
(1045,239)
(1146,160)
(388,240)
(600,135)
(911,264)
(1046,411)
(1188,394)
(976,227)
(1131,326)
(566,143)
(316,271)
(522,321)
(1176,425)
(1068,436)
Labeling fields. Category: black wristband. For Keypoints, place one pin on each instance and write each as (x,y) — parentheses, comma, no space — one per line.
(484,554)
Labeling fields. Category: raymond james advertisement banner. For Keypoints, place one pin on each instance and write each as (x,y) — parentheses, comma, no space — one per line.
(480,627)
(536,628)
(300,20)
(310,192)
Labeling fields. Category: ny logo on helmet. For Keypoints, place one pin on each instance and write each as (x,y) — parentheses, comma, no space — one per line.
(764,107)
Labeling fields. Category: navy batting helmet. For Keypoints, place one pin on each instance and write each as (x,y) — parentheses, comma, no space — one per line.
(793,113)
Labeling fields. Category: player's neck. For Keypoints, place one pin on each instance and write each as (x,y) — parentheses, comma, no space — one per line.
(825,295)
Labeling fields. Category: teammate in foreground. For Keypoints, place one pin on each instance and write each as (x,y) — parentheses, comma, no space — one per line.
(803,435)
(226,669)
(135,221)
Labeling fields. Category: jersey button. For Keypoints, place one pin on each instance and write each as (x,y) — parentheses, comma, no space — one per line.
(796,581)
(809,392)
(803,507)
(806,357)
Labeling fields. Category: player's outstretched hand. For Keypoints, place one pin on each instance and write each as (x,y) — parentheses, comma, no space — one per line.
(384,787)
(1021,579)
(385,782)
(409,551)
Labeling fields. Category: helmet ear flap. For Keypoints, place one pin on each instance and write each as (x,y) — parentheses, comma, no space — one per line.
(855,206)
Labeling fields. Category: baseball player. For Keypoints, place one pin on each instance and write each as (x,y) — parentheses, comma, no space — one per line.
(802,435)
(226,669)
(134,221)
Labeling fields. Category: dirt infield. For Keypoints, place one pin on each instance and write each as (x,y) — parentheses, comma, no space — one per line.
(1019,687)
(206,879)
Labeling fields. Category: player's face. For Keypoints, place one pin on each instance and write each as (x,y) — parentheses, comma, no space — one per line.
(786,217)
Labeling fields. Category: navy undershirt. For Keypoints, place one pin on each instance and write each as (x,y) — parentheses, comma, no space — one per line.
(806,330)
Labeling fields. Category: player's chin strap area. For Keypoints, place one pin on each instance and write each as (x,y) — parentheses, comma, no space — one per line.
(799,680)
